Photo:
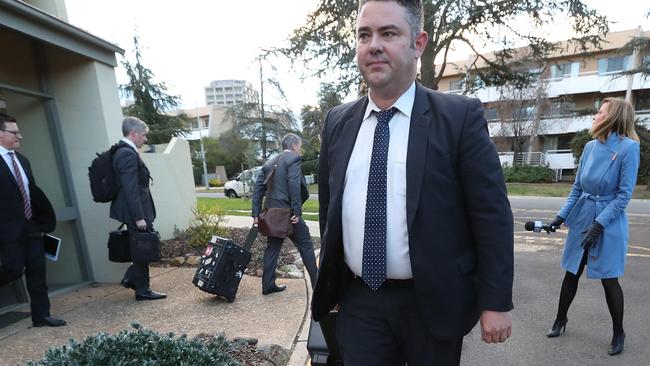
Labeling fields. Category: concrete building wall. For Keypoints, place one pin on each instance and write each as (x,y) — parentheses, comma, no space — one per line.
(52,7)
(89,110)
(173,186)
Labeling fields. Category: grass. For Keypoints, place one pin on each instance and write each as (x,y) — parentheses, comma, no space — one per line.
(242,207)
(211,190)
(539,189)
(558,190)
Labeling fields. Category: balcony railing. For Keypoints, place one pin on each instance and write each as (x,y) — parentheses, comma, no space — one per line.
(556,160)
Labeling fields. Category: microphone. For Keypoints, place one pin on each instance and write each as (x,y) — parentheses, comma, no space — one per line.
(538,226)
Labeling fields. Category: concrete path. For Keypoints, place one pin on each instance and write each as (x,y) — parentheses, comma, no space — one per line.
(281,318)
(110,308)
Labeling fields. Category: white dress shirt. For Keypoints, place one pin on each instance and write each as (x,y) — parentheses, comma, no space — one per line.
(130,143)
(398,262)
(5,155)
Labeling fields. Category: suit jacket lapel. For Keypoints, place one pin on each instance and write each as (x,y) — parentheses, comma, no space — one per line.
(421,118)
(349,132)
(8,171)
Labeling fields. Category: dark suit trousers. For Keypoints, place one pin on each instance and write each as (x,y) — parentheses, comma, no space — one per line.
(28,253)
(384,327)
(138,273)
(301,238)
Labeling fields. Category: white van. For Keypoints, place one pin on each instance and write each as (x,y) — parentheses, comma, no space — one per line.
(243,185)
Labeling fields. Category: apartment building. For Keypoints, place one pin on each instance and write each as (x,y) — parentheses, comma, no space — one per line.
(230,92)
(569,91)
(208,121)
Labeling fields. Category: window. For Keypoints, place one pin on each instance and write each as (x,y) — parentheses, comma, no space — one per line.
(561,70)
(455,85)
(646,62)
(562,108)
(613,64)
(523,113)
(491,114)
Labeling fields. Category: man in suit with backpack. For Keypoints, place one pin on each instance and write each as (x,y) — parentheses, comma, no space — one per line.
(289,190)
(25,214)
(133,204)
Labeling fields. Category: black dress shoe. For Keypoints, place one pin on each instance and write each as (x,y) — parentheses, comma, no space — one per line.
(274,289)
(618,343)
(48,321)
(557,328)
(150,295)
(127,284)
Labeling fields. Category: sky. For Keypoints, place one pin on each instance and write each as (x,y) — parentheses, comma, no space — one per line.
(190,43)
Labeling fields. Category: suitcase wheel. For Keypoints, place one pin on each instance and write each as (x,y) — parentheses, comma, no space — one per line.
(230,299)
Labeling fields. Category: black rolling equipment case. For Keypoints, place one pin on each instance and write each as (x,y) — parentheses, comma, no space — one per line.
(222,265)
(321,343)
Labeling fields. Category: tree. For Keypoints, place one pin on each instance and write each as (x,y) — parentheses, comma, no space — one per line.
(230,150)
(515,111)
(312,123)
(313,117)
(151,101)
(638,46)
(327,40)
(263,122)
(578,143)
(277,121)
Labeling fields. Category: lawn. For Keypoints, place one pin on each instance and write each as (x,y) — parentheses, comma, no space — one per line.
(557,190)
(242,207)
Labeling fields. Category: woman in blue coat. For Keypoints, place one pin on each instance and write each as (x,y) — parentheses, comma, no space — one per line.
(595,213)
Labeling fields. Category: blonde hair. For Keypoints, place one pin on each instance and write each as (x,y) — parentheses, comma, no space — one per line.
(619,118)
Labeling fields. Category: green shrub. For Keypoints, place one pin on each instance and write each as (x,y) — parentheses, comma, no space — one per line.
(140,347)
(206,223)
(216,182)
(528,174)
(578,143)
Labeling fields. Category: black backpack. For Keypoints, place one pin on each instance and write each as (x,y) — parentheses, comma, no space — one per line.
(103,183)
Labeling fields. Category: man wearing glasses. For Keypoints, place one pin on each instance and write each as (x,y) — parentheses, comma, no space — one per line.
(25,213)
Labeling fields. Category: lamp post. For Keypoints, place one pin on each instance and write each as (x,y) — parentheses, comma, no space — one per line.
(205,168)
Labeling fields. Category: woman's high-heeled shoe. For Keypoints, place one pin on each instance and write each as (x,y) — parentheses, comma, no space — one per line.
(618,343)
(558,327)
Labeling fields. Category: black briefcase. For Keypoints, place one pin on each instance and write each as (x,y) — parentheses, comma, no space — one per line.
(222,266)
(118,246)
(145,246)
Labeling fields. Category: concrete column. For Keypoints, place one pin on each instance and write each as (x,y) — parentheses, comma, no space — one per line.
(87,99)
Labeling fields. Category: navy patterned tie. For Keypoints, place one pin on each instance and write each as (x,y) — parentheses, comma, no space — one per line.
(374,235)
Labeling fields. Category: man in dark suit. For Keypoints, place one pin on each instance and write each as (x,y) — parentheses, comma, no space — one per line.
(416,227)
(134,205)
(289,190)
(25,214)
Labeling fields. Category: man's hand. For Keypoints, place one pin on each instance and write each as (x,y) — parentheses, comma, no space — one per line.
(295,219)
(254,220)
(141,224)
(496,326)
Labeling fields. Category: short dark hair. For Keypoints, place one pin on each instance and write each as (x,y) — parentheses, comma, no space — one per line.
(414,14)
(5,118)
